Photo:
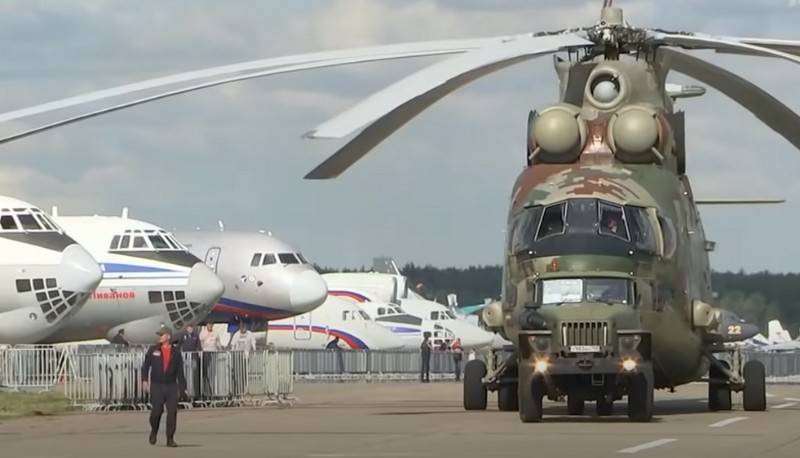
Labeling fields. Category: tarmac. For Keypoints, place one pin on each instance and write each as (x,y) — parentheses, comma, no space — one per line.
(406,420)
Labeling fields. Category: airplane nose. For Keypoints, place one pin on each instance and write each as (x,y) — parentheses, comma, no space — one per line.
(308,291)
(204,286)
(80,272)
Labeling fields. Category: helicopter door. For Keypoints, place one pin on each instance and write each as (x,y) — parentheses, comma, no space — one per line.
(302,327)
(212,257)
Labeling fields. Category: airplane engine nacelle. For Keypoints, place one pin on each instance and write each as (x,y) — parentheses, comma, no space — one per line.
(557,134)
(637,134)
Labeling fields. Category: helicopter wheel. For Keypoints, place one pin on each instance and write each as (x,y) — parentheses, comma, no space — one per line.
(640,396)
(755,389)
(604,408)
(474,389)
(508,398)
(719,393)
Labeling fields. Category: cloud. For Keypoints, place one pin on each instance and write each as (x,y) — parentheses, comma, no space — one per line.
(437,191)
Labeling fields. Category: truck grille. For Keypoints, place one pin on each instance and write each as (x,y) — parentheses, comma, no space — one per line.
(584,333)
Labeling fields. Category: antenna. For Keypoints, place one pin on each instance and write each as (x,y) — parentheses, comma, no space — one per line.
(221,225)
(124,212)
(54,211)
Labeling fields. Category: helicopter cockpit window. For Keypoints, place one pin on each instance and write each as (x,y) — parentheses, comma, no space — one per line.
(670,236)
(582,217)
(612,221)
(524,228)
(641,230)
(552,221)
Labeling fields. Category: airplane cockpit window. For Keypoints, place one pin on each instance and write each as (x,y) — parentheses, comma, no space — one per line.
(381,311)
(552,221)
(363,315)
(145,240)
(27,220)
(612,221)
(8,223)
(269,259)
(256,261)
(302,258)
(287,258)
(354,315)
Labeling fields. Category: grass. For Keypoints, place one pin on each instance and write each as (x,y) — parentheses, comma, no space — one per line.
(13,405)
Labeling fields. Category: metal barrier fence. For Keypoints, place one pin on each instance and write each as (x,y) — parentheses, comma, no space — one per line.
(779,366)
(110,378)
(365,364)
(29,368)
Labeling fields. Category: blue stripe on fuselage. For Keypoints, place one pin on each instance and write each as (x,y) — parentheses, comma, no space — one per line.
(112,267)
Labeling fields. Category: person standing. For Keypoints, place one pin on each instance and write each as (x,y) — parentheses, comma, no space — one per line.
(425,354)
(458,355)
(190,343)
(162,376)
(209,344)
(120,339)
(243,341)
(333,345)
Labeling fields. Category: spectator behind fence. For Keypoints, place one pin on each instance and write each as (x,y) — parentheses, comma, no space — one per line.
(425,355)
(119,339)
(190,343)
(333,345)
(243,341)
(458,355)
(162,376)
(209,344)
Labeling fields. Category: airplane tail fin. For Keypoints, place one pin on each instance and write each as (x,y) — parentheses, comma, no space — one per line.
(776,332)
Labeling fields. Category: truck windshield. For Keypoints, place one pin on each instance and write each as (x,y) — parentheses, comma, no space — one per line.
(574,290)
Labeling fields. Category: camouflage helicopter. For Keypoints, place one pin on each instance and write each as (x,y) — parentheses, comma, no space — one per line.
(606,285)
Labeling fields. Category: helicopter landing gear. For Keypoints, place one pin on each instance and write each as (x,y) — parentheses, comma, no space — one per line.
(719,390)
(474,390)
(755,387)
(749,378)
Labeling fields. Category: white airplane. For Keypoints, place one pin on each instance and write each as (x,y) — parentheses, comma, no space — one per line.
(52,275)
(364,288)
(149,280)
(779,339)
(314,330)
(265,278)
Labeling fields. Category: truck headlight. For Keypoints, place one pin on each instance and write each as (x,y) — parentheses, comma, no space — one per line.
(541,366)
(629,343)
(629,364)
(540,344)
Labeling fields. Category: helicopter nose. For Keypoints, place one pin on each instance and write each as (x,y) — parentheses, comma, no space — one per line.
(308,291)
(80,272)
(204,286)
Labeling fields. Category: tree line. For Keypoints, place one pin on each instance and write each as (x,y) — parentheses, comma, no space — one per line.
(756,297)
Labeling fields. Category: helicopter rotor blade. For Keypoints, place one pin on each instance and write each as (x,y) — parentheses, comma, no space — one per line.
(322,59)
(725,44)
(768,109)
(387,110)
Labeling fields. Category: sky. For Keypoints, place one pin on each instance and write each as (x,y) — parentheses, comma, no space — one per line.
(435,193)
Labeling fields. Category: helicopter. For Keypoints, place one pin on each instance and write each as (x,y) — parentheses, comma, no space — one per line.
(606,288)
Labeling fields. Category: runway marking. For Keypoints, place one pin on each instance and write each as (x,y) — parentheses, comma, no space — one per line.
(726,422)
(646,446)
(792,399)
(783,406)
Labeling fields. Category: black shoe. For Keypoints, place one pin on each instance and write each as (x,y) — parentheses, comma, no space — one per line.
(152,438)
(171,443)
